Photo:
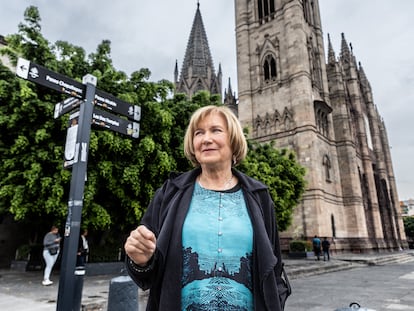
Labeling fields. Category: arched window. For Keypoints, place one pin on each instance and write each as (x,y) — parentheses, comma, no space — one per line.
(326,162)
(333,226)
(199,86)
(266,9)
(269,68)
(272,68)
(322,110)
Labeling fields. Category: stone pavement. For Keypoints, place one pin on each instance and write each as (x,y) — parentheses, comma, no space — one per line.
(23,290)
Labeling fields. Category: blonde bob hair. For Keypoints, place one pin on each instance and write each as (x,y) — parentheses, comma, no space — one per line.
(237,139)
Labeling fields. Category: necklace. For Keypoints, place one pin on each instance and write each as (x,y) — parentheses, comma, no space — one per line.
(225,186)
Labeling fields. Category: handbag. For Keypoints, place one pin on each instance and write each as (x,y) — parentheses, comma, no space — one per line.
(53,250)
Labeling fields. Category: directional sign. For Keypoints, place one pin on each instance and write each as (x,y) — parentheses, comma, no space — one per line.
(117,105)
(110,121)
(66,105)
(87,97)
(43,76)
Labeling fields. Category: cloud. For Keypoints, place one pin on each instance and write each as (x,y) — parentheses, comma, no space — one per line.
(154,34)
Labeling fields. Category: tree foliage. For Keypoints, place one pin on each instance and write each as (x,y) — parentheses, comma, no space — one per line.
(280,171)
(123,173)
(409,227)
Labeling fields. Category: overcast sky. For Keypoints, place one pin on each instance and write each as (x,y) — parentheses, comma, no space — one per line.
(154,34)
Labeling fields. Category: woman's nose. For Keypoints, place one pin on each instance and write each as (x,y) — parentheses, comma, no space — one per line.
(206,138)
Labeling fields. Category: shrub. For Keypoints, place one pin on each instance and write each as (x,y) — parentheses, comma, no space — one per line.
(298,246)
(105,253)
(23,252)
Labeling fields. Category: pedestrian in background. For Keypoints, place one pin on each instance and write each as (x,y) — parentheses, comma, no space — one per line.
(316,243)
(83,249)
(325,248)
(51,248)
(210,233)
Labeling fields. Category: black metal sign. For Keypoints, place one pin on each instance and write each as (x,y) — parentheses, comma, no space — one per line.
(112,122)
(86,97)
(110,102)
(107,120)
(66,105)
(43,76)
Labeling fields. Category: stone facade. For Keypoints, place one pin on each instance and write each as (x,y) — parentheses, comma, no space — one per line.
(324,111)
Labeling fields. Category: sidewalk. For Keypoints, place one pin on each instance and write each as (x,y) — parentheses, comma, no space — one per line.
(23,290)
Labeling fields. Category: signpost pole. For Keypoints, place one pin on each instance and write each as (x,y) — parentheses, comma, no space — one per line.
(67,290)
(70,294)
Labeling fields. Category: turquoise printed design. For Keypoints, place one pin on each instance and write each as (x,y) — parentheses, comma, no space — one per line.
(217,248)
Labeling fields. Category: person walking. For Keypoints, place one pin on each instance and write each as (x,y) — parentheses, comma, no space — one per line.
(316,243)
(325,248)
(83,249)
(210,233)
(51,248)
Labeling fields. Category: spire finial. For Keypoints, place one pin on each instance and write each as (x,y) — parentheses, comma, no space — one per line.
(198,4)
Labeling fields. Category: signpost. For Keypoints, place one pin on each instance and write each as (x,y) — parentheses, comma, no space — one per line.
(109,102)
(65,106)
(43,76)
(83,95)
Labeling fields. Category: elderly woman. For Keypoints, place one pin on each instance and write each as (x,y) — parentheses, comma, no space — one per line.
(208,240)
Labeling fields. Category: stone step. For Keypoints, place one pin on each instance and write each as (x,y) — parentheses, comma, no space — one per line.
(319,267)
(380,259)
(307,267)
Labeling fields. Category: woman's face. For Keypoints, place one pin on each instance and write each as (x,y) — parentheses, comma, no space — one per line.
(211,141)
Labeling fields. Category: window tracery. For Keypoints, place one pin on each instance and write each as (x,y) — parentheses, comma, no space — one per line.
(266,9)
(269,68)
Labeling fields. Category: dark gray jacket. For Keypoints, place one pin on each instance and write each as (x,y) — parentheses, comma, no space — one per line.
(165,217)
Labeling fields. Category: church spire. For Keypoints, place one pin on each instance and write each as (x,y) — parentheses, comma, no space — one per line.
(230,99)
(345,51)
(363,77)
(176,72)
(197,72)
(331,53)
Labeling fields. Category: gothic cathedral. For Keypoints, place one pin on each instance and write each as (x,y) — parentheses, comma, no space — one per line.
(324,111)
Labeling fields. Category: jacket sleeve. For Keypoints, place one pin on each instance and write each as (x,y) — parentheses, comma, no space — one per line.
(152,219)
(142,276)
(283,285)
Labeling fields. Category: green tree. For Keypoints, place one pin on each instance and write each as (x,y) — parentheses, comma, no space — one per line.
(123,173)
(280,171)
(409,227)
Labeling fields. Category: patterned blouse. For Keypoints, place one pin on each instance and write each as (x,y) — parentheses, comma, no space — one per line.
(217,241)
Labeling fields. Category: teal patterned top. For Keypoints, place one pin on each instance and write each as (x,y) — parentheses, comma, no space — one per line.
(217,242)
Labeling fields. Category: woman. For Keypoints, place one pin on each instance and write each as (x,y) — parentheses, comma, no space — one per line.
(51,247)
(208,240)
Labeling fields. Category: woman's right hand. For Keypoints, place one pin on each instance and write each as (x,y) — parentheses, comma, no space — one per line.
(140,245)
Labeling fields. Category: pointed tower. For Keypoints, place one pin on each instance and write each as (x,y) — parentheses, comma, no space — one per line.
(283,97)
(230,99)
(324,112)
(197,72)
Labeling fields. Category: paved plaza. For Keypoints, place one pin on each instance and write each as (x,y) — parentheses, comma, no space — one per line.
(388,287)
(377,282)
